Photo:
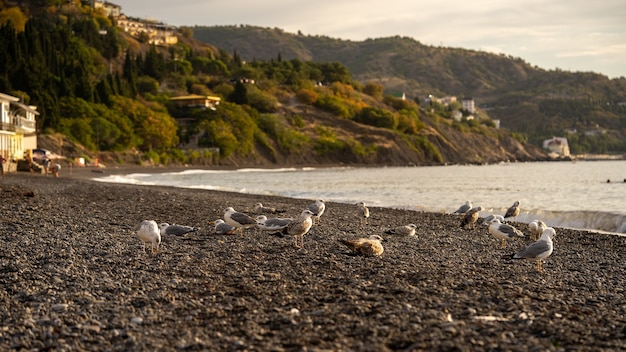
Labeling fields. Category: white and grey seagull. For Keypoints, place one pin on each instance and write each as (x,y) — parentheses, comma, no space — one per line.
(503,231)
(464,208)
(239,220)
(222,228)
(148,232)
(489,218)
(363,213)
(176,230)
(259,208)
(538,251)
(317,208)
(272,224)
(536,228)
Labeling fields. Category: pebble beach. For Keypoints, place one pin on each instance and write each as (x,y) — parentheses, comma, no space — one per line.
(75,276)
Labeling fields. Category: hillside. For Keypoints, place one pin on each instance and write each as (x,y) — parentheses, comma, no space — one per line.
(446,144)
(104,94)
(526,99)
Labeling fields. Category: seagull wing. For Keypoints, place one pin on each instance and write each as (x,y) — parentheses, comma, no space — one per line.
(510,231)
(242,218)
(536,250)
(179,230)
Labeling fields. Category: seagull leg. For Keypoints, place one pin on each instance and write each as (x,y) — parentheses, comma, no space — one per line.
(298,241)
(503,243)
(539,267)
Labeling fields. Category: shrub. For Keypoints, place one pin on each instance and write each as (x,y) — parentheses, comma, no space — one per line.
(261,101)
(292,140)
(334,105)
(307,96)
(377,117)
(374,90)
(327,142)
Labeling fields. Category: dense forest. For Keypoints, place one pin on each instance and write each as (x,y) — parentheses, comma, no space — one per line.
(110,92)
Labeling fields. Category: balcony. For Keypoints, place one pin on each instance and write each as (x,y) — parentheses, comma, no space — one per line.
(7,127)
(22,125)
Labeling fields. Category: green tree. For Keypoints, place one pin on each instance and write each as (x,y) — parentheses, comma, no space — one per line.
(240,94)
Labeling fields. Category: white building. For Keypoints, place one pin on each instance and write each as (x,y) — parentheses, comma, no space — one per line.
(557,145)
(468,104)
(18,127)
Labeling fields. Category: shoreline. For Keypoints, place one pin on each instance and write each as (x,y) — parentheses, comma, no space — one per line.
(74,276)
(557,216)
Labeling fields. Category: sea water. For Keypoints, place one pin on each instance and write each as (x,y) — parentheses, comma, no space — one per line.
(582,194)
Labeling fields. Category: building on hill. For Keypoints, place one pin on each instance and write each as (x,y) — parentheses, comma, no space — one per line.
(557,145)
(468,104)
(18,130)
(445,101)
(196,101)
(158,33)
(109,8)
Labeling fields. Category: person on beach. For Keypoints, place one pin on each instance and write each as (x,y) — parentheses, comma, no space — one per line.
(2,160)
(46,165)
(29,158)
(54,169)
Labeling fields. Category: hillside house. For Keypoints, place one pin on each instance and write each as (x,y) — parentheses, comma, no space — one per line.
(468,104)
(158,33)
(109,8)
(18,131)
(445,101)
(196,101)
(557,145)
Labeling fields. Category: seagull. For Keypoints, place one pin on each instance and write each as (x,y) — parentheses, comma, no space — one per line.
(299,227)
(222,228)
(362,212)
(539,250)
(272,224)
(404,230)
(503,231)
(513,211)
(239,220)
(148,232)
(470,217)
(259,208)
(536,227)
(491,217)
(176,230)
(366,246)
(464,208)
(317,208)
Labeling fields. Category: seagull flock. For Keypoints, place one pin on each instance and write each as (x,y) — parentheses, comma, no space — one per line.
(542,234)
(265,219)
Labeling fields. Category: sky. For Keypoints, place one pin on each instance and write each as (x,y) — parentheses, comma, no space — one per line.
(570,35)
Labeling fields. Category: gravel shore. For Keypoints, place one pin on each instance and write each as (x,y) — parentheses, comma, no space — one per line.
(74,276)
